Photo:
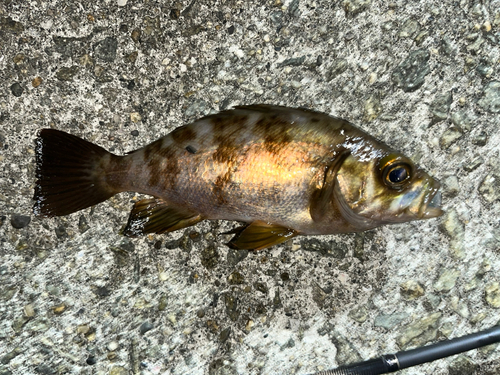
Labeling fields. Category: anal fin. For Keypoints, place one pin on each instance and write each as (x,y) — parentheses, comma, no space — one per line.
(259,235)
(154,215)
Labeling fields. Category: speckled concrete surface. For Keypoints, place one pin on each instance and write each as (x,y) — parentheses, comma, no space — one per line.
(78,298)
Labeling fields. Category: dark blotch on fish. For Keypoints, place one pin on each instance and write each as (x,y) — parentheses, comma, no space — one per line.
(220,185)
(191,149)
(275,133)
(183,134)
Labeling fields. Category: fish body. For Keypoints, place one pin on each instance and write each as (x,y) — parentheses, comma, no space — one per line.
(283,171)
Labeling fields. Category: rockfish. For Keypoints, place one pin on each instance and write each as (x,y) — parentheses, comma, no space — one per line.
(282,171)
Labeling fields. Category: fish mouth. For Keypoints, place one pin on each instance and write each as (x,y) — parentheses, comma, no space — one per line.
(432,202)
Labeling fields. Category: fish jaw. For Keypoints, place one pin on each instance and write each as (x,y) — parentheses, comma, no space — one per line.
(430,205)
(421,200)
(433,208)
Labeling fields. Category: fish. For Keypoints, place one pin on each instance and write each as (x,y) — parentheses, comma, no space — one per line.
(282,172)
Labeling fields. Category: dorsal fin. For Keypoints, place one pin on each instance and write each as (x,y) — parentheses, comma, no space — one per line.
(265,108)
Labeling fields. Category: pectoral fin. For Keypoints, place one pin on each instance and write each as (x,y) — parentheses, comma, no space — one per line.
(156,216)
(322,198)
(259,235)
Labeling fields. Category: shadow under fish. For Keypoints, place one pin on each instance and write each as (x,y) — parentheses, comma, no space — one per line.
(282,171)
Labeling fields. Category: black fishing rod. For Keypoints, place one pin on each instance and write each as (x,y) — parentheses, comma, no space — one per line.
(394,362)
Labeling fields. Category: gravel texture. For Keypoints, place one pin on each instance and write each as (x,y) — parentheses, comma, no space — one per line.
(78,298)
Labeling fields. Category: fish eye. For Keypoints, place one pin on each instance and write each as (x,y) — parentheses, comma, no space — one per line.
(396,171)
(397,174)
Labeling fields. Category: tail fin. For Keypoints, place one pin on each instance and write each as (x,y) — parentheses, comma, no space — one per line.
(69,174)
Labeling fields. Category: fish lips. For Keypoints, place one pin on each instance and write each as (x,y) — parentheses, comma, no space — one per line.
(431,206)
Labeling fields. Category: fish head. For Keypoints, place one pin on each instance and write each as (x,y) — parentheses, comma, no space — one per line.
(386,189)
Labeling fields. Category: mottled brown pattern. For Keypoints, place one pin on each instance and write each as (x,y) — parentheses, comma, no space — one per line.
(275,132)
(220,185)
(222,121)
(153,166)
(226,153)
(225,132)
(171,170)
(152,149)
(116,169)
(183,134)
(154,156)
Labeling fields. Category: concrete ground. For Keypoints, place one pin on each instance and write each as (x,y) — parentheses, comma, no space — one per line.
(78,298)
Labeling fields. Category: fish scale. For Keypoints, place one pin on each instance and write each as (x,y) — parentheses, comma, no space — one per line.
(283,171)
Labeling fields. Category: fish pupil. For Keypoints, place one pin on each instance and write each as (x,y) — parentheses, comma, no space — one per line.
(398,174)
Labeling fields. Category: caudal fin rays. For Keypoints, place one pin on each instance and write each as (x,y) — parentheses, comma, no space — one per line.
(67,174)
